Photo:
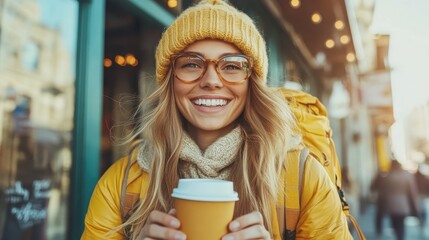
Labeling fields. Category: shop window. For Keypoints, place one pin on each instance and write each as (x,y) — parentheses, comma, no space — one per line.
(30,55)
(129,70)
(37,56)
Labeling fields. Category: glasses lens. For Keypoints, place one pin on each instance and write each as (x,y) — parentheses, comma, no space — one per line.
(234,68)
(188,67)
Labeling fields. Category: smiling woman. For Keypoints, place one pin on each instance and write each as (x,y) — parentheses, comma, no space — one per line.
(213,117)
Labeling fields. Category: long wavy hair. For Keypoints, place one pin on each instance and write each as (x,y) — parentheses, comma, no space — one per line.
(267,125)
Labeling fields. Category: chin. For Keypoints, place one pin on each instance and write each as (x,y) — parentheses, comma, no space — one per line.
(210,127)
(213,127)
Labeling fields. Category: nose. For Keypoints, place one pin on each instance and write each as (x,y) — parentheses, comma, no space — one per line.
(211,78)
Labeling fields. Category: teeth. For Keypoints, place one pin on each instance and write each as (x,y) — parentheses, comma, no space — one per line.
(210,102)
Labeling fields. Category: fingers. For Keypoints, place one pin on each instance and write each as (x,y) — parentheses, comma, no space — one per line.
(161,218)
(247,220)
(172,212)
(160,232)
(162,225)
(249,226)
(253,232)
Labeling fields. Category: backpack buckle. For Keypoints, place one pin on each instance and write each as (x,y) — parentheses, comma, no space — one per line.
(289,235)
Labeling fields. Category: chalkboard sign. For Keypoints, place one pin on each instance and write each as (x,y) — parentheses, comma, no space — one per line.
(26,208)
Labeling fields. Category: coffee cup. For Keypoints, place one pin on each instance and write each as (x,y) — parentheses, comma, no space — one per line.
(204,207)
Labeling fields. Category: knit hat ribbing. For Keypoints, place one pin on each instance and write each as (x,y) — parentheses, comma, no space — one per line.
(212,19)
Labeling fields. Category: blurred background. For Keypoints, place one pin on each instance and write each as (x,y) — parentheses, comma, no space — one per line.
(72,73)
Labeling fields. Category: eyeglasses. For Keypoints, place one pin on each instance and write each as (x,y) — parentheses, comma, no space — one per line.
(232,68)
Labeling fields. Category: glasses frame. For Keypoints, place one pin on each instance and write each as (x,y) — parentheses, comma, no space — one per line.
(206,65)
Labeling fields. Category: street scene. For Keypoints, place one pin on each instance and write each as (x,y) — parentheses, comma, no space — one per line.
(414,228)
(142,93)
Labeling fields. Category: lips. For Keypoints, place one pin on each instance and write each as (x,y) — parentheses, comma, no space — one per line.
(210,102)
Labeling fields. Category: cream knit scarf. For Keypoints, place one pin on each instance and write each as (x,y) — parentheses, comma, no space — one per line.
(214,162)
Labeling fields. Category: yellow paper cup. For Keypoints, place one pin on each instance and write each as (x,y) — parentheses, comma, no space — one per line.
(204,207)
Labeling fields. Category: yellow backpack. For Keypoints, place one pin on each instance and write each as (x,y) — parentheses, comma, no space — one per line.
(311,116)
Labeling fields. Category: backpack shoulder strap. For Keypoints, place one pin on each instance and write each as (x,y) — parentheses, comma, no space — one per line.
(133,186)
(293,184)
(127,199)
(302,160)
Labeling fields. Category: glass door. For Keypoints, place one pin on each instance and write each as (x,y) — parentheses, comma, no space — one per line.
(38,40)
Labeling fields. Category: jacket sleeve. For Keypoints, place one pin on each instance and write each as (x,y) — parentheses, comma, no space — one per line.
(104,207)
(322,216)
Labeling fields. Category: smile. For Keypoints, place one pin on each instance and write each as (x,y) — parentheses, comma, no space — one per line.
(210,102)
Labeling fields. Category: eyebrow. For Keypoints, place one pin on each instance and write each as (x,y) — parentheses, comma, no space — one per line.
(203,55)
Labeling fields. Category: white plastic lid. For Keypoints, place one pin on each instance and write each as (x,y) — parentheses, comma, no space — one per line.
(210,190)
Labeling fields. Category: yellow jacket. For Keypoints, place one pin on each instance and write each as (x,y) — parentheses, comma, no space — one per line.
(321,215)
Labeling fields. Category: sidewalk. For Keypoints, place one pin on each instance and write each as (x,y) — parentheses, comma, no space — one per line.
(413,229)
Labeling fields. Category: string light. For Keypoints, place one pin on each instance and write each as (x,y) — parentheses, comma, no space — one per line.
(107,62)
(295,3)
(339,25)
(344,39)
(316,18)
(172,3)
(131,60)
(350,57)
(329,43)
(120,60)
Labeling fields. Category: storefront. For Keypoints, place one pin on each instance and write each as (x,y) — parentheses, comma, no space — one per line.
(67,71)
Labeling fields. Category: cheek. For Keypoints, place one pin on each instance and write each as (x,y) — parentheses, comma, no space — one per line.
(243,102)
(180,94)
(242,95)
(178,97)
(179,90)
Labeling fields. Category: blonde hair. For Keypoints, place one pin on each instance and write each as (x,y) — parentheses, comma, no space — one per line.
(267,125)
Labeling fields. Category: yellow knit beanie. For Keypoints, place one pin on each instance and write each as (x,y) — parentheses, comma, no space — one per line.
(212,19)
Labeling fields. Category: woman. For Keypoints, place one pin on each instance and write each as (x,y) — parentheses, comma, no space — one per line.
(214,117)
